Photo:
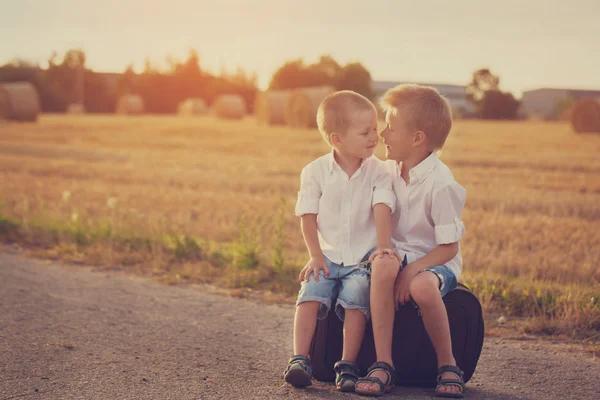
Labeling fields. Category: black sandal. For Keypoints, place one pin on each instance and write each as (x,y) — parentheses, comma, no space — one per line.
(383,387)
(346,375)
(460,382)
(298,372)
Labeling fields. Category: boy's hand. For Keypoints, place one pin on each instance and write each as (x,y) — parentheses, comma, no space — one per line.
(401,287)
(381,252)
(313,266)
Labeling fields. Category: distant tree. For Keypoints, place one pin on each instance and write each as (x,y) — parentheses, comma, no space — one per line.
(482,81)
(327,71)
(66,78)
(355,77)
(329,66)
(491,103)
(498,105)
(163,90)
(294,74)
(126,83)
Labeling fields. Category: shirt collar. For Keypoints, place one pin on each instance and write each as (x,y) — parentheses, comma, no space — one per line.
(422,169)
(333,164)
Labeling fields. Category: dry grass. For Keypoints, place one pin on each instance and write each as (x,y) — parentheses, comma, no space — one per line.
(165,196)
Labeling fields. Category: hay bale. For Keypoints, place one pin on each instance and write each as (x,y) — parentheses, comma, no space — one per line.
(76,109)
(229,106)
(130,104)
(269,107)
(301,107)
(19,101)
(585,116)
(192,107)
(4,104)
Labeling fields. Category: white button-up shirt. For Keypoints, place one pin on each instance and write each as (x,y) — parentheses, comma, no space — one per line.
(344,206)
(428,210)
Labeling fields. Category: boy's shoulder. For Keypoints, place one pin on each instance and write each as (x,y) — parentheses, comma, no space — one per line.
(441,176)
(318,164)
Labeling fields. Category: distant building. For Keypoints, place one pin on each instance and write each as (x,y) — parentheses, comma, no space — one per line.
(543,103)
(456,95)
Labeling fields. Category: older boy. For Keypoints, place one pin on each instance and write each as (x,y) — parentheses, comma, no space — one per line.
(345,201)
(427,227)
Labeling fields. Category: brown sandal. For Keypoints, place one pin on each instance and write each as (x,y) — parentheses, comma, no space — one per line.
(383,387)
(459,382)
(346,375)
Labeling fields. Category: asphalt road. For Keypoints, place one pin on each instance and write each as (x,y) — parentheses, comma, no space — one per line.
(69,332)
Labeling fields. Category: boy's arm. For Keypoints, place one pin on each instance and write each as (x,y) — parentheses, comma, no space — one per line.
(383,224)
(438,256)
(446,211)
(384,203)
(308,225)
(307,208)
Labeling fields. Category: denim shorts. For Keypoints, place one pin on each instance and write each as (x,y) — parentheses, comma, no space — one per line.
(448,281)
(348,285)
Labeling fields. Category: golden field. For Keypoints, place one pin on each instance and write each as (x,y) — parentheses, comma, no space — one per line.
(196,199)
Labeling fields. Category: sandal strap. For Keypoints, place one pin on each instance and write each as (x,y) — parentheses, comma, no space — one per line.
(452,369)
(346,367)
(299,358)
(346,370)
(303,361)
(387,368)
(450,382)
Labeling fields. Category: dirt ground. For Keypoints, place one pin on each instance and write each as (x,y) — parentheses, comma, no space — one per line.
(71,332)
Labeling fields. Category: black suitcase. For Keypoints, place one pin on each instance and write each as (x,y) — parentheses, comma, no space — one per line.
(414,358)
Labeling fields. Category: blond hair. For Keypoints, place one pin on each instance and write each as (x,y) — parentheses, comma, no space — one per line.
(335,112)
(422,108)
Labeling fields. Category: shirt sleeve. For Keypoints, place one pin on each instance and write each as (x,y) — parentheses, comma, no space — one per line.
(446,212)
(382,189)
(309,194)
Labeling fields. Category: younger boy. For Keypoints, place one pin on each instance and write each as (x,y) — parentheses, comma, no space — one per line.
(427,227)
(344,202)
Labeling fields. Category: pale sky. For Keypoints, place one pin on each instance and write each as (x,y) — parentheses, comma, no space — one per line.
(529,43)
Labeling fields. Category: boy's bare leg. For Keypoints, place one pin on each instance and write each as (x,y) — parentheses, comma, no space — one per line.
(354,330)
(384,271)
(424,289)
(305,323)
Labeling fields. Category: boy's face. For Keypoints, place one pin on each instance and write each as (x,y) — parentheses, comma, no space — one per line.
(397,137)
(361,138)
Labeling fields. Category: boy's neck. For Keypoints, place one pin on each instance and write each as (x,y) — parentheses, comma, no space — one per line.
(348,163)
(412,162)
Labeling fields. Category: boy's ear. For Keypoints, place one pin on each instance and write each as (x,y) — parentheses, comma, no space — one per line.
(335,139)
(419,138)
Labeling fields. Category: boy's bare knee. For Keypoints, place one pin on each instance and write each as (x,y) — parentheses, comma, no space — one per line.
(424,288)
(310,305)
(384,271)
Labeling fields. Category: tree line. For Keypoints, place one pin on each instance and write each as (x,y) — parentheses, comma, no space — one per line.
(68,80)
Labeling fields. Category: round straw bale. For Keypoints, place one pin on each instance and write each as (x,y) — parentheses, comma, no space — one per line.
(130,104)
(585,116)
(192,106)
(4,104)
(19,101)
(269,106)
(301,108)
(229,106)
(75,109)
